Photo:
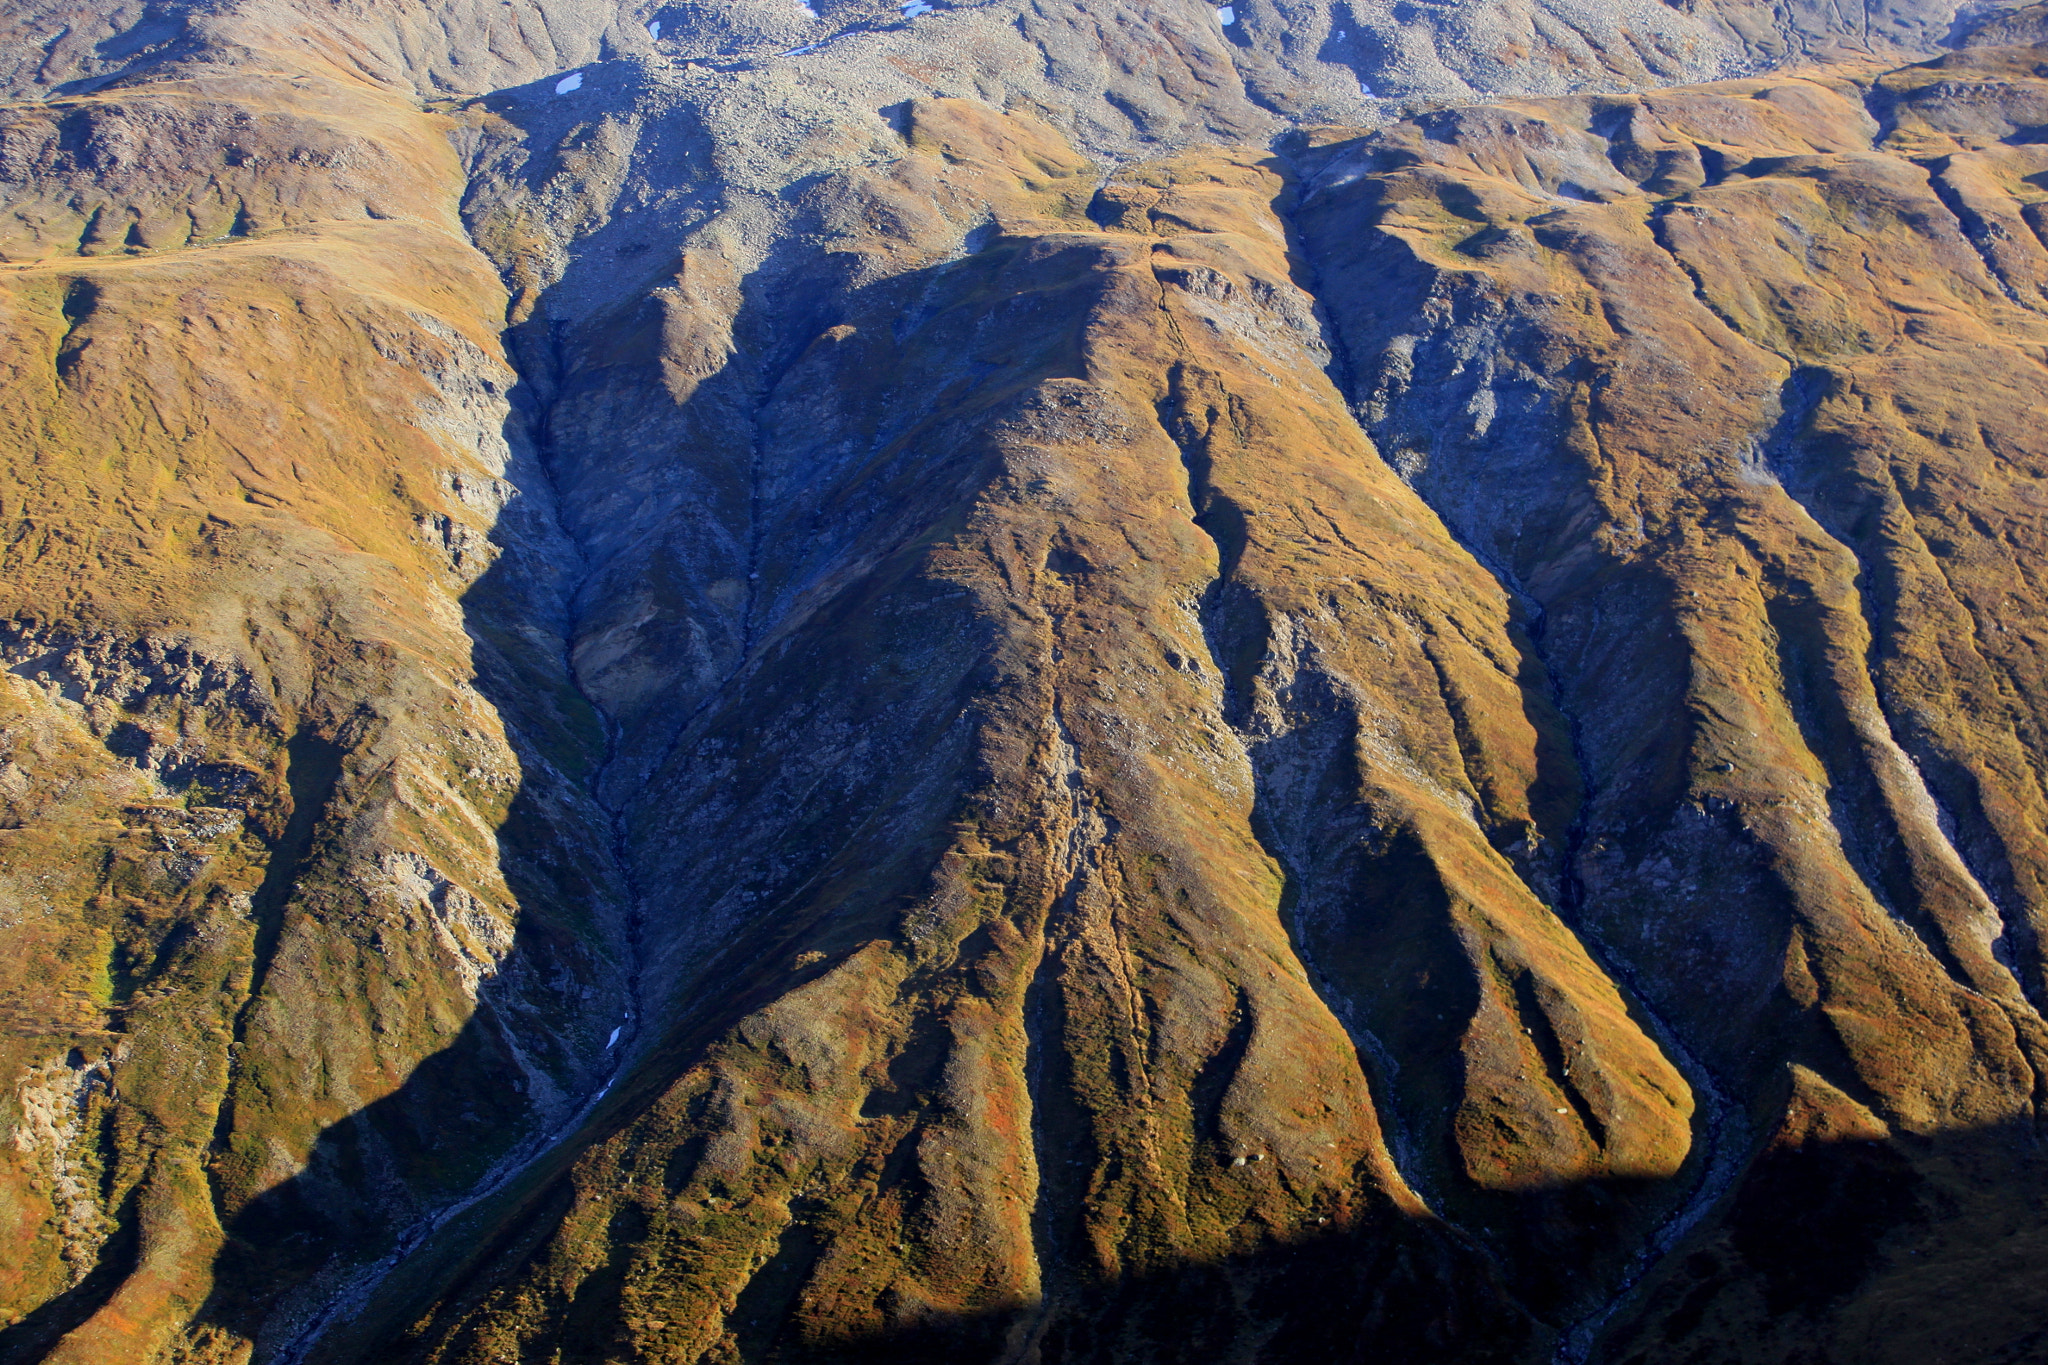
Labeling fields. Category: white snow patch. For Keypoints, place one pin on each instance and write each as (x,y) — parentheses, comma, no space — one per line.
(1226,16)
(1365,91)
(913,8)
(572,81)
(654,28)
(614,1039)
(809,9)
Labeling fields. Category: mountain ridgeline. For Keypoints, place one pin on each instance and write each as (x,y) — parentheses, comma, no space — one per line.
(1030,681)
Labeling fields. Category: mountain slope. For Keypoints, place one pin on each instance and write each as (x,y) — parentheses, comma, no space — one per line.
(261,775)
(898,700)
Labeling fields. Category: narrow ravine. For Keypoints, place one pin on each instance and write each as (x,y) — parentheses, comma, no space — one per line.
(1722,1141)
(357,1292)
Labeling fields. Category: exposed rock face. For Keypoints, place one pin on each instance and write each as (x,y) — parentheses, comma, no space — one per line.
(1023,683)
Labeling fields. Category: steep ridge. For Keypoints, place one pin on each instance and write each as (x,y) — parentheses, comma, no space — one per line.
(286,677)
(1055,934)
(996,730)
(1711,375)
(658,1283)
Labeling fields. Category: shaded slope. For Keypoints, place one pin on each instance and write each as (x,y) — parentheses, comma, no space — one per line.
(1710,375)
(259,784)
(1002,762)
(1133,842)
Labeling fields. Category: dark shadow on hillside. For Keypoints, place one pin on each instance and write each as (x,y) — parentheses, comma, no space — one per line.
(303,1256)
(1906,1250)
(1390,1290)
(1814,1241)
(373,1182)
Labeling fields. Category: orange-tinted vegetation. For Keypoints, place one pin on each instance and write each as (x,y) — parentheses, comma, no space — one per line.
(930,743)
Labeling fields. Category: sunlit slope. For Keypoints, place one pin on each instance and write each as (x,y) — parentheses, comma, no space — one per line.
(1741,388)
(257,792)
(1104,695)
(1570,770)
(897,709)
